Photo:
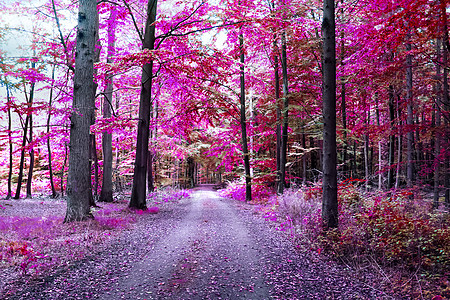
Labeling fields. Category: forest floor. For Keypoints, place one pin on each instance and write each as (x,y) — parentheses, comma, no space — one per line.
(200,247)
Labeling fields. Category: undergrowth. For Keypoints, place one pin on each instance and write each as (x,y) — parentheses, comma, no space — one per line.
(32,244)
(394,235)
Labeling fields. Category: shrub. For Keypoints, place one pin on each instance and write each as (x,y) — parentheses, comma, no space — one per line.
(386,229)
(236,190)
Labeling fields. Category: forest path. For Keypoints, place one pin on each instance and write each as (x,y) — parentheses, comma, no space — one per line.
(203,247)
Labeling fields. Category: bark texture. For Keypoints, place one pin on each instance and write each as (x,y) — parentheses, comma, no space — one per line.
(106,194)
(284,134)
(139,189)
(409,119)
(79,188)
(248,187)
(329,201)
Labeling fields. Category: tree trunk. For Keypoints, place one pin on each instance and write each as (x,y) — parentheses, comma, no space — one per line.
(329,201)
(277,97)
(151,187)
(248,187)
(437,134)
(31,153)
(446,100)
(380,158)
(343,111)
(284,134)
(366,153)
(409,120)
(49,150)
(8,97)
(139,193)
(94,158)
(79,187)
(304,157)
(106,194)
(391,138)
(63,169)
(191,172)
(400,156)
(313,156)
(24,142)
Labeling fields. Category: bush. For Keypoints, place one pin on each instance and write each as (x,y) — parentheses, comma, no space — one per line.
(236,190)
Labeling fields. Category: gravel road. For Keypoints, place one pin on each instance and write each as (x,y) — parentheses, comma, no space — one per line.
(203,247)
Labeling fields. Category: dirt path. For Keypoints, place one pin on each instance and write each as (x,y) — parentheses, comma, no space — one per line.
(205,247)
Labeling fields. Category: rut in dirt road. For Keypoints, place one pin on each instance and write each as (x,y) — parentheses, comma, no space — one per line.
(203,247)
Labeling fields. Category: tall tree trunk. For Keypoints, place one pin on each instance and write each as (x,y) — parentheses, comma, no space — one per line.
(409,119)
(380,158)
(277,97)
(139,189)
(313,156)
(366,153)
(150,182)
(437,133)
(8,97)
(155,144)
(400,156)
(390,182)
(446,99)
(79,187)
(63,168)
(329,187)
(248,187)
(284,133)
(24,142)
(93,149)
(304,157)
(49,149)
(31,153)
(191,172)
(106,194)
(343,108)
(94,158)
(399,144)
(30,139)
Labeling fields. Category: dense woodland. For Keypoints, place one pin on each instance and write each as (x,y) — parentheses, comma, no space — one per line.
(391,100)
(147,94)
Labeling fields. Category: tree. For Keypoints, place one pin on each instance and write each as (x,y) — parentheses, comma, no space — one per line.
(329,186)
(284,134)
(24,139)
(79,188)
(248,187)
(139,189)
(106,194)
